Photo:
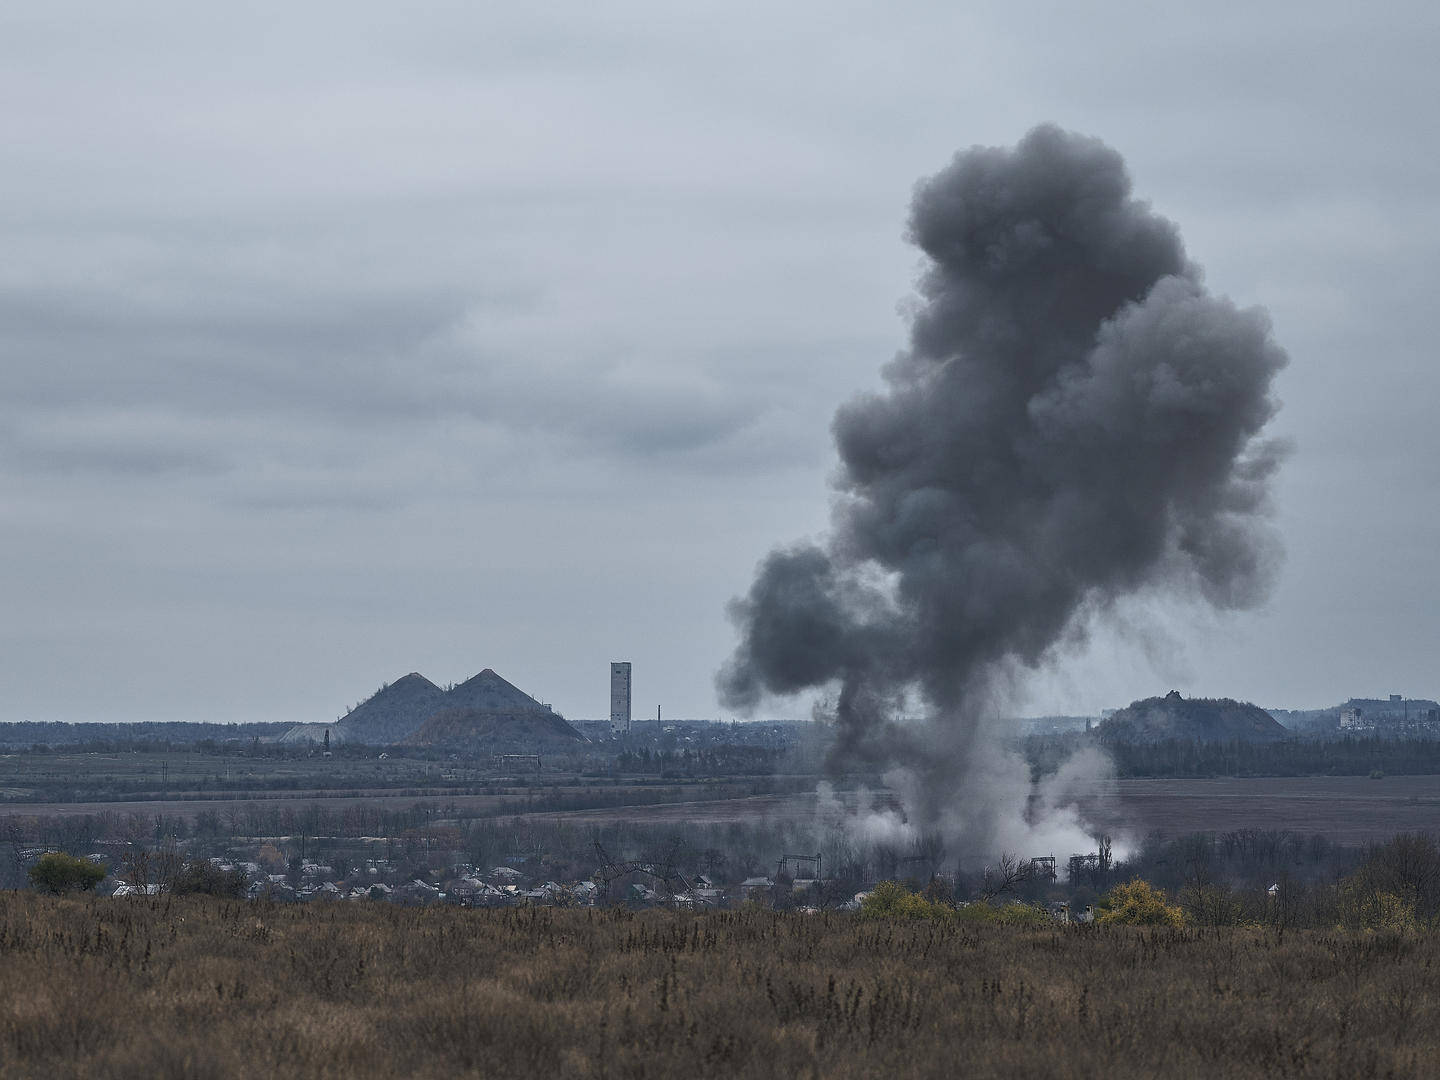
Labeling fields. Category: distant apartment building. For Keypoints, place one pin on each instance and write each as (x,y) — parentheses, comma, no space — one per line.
(1397,718)
(620,695)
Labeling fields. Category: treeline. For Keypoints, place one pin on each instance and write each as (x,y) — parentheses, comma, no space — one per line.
(1392,887)
(79,834)
(27,733)
(211,787)
(715,761)
(544,800)
(1183,758)
(1221,880)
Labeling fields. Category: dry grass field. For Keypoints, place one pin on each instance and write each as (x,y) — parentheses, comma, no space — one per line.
(187,987)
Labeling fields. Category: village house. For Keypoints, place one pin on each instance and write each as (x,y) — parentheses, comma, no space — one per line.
(757,889)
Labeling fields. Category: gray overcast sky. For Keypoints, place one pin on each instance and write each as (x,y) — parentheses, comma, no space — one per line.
(344,340)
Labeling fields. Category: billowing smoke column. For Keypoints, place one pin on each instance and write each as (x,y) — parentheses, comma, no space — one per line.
(1076,420)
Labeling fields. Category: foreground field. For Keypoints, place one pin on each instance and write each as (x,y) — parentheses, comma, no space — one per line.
(187,988)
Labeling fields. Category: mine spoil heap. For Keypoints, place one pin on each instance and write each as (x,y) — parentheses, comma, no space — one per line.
(1158,719)
(393,712)
(483,713)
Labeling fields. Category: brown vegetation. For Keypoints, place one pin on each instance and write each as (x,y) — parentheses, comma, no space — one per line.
(195,987)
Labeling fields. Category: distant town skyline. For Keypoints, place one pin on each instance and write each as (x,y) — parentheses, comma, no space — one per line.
(343,342)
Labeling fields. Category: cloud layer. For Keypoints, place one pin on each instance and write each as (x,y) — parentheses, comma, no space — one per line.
(369,305)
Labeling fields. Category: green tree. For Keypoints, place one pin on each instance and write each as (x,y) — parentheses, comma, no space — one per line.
(56,872)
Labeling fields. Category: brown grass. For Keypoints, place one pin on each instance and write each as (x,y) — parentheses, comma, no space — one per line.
(195,988)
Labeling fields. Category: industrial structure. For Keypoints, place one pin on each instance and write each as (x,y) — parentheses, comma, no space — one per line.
(620,696)
(1042,868)
(518,762)
(795,861)
(1094,866)
(674,887)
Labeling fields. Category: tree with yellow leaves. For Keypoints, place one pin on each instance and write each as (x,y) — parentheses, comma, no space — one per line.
(1138,903)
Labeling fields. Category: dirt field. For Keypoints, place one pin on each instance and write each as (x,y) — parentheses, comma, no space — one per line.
(283,801)
(674,795)
(1350,809)
(1346,808)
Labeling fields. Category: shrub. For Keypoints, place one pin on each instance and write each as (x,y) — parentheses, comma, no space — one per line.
(1013,914)
(200,876)
(1407,867)
(891,900)
(56,872)
(1210,905)
(1138,903)
(940,891)
(1361,907)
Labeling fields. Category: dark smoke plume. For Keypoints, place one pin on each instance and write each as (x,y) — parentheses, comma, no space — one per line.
(1075,420)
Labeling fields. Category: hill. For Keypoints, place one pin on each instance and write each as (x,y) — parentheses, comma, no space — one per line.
(489,692)
(487,714)
(314,733)
(497,731)
(392,712)
(1195,719)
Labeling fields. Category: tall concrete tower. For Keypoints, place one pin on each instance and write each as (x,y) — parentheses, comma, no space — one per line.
(620,695)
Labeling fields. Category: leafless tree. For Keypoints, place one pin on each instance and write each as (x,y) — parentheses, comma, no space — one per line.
(1407,865)
(135,866)
(144,866)
(1009,872)
(1198,853)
